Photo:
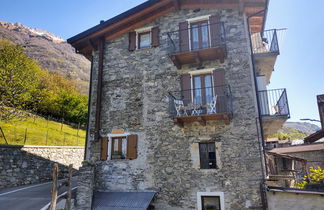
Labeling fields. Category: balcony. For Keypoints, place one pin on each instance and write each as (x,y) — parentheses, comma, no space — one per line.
(201,105)
(265,50)
(196,44)
(274,109)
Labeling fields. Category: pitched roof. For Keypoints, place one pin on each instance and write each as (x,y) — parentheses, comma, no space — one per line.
(85,42)
(315,136)
(299,148)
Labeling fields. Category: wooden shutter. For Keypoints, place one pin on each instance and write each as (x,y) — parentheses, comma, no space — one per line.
(155,36)
(185,88)
(132,41)
(215,30)
(219,89)
(104,148)
(184,36)
(131,147)
(203,154)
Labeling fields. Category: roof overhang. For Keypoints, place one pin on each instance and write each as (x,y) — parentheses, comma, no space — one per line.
(146,12)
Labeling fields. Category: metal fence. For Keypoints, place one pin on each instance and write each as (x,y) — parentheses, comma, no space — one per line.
(197,37)
(266,42)
(274,102)
(209,100)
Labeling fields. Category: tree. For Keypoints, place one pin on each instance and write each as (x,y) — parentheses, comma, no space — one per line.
(19,81)
(316,175)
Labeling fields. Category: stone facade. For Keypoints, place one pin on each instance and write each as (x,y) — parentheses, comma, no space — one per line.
(21,165)
(135,98)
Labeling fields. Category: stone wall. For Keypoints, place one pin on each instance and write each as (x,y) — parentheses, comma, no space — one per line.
(135,98)
(298,201)
(21,165)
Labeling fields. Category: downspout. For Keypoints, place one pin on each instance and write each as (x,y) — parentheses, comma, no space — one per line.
(88,117)
(262,151)
(101,48)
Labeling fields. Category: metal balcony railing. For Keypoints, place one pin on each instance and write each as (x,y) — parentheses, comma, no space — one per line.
(266,42)
(274,102)
(200,101)
(199,37)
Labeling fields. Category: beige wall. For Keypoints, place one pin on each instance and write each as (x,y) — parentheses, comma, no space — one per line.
(293,201)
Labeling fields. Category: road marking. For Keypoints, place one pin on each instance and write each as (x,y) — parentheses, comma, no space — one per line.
(58,197)
(24,188)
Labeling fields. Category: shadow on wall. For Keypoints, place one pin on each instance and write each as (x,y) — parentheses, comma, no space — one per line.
(21,165)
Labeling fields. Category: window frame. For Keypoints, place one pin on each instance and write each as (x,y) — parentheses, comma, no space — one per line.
(200,34)
(194,20)
(209,160)
(138,39)
(210,194)
(202,86)
(120,147)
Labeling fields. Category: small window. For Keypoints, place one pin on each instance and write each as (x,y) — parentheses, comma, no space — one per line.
(144,40)
(207,155)
(210,203)
(119,148)
(123,147)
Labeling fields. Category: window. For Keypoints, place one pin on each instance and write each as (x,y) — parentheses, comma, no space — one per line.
(210,201)
(199,35)
(207,153)
(144,40)
(119,146)
(203,89)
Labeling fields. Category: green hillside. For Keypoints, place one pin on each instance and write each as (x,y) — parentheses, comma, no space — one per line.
(39,131)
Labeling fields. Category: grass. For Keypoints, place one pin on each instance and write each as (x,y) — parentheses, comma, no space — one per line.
(40,131)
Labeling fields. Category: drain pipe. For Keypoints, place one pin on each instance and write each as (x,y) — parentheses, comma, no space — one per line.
(101,48)
(261,145)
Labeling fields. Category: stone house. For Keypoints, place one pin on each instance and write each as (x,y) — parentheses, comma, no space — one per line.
(179,106)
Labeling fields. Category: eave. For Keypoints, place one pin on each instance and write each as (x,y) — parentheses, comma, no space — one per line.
(86,41)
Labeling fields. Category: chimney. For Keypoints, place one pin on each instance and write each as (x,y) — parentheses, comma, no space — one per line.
(320,103)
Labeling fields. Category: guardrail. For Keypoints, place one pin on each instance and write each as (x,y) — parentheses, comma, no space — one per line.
(199,101)
(274,102)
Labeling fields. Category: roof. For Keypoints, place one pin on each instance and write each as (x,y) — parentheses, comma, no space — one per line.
(272,140)
(285,156)
(315,136)
(84,42)
(299,148)
(122,200)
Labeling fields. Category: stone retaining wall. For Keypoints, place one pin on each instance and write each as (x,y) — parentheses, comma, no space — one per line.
(20,165)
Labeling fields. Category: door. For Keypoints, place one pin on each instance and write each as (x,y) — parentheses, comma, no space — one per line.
(199,35)
(203,89)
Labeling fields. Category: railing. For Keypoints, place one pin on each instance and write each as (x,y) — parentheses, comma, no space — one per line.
(196,38)
(266,42)
(199,101)
(274,102)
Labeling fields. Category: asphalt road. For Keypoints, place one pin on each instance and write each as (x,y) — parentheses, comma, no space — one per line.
(28,197)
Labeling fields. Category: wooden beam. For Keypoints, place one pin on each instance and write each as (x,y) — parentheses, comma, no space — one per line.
(177,4)
(178,122)
(201,120)
(198,59)
(176,61)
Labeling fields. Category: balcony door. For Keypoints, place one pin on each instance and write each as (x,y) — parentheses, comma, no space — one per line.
(203,89)
(199,34)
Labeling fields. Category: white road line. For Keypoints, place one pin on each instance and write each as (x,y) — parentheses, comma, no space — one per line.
(24,188)
(58,197)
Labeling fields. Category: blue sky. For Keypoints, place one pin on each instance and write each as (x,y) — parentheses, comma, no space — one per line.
(299,68)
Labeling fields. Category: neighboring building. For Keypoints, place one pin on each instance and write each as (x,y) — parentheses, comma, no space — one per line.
(178,106)
(312,153)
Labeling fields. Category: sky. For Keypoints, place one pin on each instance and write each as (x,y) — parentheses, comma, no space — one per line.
(299,67)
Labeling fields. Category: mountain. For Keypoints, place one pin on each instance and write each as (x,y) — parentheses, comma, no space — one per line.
(304,127)
(50,51)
